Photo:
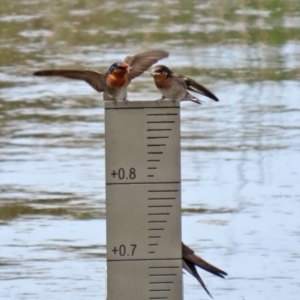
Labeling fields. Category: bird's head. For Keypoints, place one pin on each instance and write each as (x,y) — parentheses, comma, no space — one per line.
(118,68)
(160,71)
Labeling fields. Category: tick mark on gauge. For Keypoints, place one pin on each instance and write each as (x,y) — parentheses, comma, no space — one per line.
(158,152)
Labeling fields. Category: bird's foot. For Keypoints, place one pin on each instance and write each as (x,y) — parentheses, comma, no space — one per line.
(160,99)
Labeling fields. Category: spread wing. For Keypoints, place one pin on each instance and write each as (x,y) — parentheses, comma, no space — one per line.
(189,255)
(189,262)
(190,267)
(142,61)
(95,79)
(194,86)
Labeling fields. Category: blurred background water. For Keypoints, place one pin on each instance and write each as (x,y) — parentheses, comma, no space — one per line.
(240,157)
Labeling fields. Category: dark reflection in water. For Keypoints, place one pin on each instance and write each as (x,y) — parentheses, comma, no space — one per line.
(240,157)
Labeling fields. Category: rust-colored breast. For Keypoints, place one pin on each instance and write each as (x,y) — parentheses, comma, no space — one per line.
(117,79)
(162,82)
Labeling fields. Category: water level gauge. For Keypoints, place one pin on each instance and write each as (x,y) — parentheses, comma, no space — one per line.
(143,200)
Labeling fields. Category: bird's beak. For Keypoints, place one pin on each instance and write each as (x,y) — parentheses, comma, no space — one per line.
(126,66)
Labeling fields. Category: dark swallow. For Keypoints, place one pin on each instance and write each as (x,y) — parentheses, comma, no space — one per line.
(114,82)
(175,86)
(189,262)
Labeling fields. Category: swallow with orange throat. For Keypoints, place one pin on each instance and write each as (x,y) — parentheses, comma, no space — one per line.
(114,82)
(175,86)
(190,261)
